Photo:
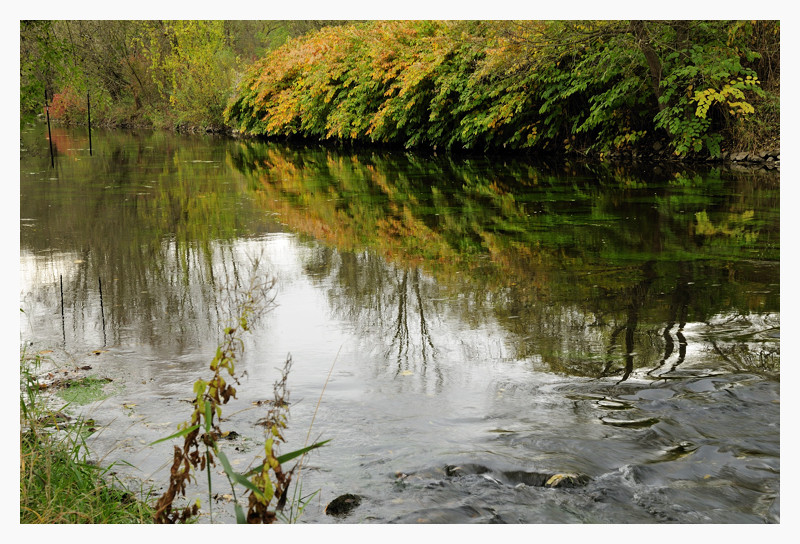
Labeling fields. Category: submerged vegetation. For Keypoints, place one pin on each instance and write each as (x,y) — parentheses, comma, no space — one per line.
(587,87)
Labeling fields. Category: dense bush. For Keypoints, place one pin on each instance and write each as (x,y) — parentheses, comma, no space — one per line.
(592,86)
(151,73)
(547,86)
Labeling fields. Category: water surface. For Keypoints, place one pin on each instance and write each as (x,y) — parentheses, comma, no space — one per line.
(488,321)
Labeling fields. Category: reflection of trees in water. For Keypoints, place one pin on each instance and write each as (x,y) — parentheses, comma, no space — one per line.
(758,357)
(609,332)
(556,261)
(661,325)
(151,215)
(174,298)
(636,300)
(643,328)
(387,304)
(677,313)
(405,295)
(554,257)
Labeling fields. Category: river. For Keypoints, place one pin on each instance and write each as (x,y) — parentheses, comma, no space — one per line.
(479,325)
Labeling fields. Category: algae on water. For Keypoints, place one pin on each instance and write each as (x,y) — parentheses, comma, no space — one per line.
(85,390)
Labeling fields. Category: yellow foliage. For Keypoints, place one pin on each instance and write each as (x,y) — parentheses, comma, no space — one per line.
(725,97)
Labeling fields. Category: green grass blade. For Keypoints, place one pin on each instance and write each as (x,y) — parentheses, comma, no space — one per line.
(208,416)
(176,435)
(289,456)
(235,476)
(240,519)
(297,453)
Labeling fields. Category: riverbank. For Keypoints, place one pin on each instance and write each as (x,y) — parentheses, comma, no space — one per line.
(661,90)
(595,88)
(658,155)
(58,481)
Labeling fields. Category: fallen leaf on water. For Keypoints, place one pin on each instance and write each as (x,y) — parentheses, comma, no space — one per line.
(406,373)
(128,405)
(45,351)
(556,479)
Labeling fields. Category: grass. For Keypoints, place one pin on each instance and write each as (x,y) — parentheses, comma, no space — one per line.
(58,482)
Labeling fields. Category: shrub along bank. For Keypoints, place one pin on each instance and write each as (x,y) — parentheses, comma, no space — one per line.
(595,87)
(671,89)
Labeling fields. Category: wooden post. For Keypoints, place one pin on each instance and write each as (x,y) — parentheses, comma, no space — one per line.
(89,112)
(49,135)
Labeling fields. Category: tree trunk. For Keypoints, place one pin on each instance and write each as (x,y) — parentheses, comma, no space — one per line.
(653,62)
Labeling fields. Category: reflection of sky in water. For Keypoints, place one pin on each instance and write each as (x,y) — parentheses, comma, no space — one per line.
(427,369)
(304,322)
(40,279)
(44,269)
(402,321)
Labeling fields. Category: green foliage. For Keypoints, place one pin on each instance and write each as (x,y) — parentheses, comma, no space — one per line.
(596,85)
(84,390)
(702,83)
(44,63)
(162,73)
(194,67)
(585,86)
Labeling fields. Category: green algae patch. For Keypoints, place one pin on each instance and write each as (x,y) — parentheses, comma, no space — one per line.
(85,390)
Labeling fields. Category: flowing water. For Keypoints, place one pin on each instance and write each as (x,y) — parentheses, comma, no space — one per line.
(505,342)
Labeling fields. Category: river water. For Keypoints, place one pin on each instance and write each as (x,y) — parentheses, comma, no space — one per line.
(479,326)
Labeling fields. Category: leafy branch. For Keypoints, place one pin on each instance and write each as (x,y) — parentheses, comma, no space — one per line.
(201,433)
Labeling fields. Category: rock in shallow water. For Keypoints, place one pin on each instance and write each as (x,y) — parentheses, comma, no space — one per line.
(342,505)
(513,478)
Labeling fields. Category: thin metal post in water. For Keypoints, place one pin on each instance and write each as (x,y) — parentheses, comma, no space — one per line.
(89,112)
(102,313)
(63,329)
(49,135)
